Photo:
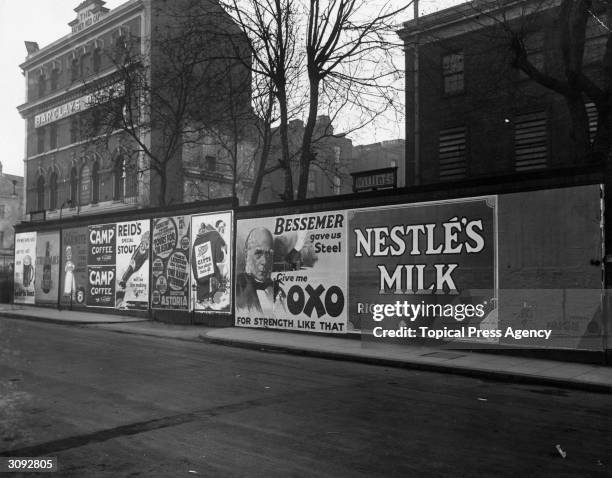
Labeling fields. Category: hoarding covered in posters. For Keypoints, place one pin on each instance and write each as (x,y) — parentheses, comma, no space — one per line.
(132,265)
(47,267)
(428,267)
(291,272)
(170,266)
(211,264)
(73,281)
(25,261)
(101,245)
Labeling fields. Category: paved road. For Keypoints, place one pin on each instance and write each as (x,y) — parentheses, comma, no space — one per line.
(120,405)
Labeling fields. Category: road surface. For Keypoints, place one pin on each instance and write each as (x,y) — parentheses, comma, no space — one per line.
(122,405)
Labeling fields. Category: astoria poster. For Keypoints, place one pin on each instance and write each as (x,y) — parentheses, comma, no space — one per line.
(170,266)
(132,265)
(430,265)
(47,267)
(291,272)
(101,271)
(211,264)
(73,281)
(25,261)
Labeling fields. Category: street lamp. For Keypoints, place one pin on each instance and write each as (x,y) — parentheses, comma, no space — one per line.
(67,202)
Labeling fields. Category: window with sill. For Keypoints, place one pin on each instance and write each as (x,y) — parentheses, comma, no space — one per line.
(55,79)
(453,73)
(42,85)
(118,180)
(53,136)
(211,163)
(74,130)
(96,59)
(40,140)
(74,69)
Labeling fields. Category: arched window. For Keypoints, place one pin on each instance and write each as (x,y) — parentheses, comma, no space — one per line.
(74,185)
(118,178)
(95,182)
(53,190)
(40,193)
(131,178)
(85,186)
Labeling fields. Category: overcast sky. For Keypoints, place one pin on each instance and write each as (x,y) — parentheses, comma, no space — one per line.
(45,21)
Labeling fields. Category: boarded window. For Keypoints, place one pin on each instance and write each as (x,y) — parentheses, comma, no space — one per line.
(452,73)
(592,115)
(530,141)
(452,153)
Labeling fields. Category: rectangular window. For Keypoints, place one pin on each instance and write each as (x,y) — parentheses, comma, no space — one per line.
(53,136)
(97,59)
(530,141)
(452,154)
(1,238)
(40,140)
(337,184)
(74,130)
(74,69)
(54,79)
(592,115)
(452,73)
(211,163)
(2,208)
(42,83)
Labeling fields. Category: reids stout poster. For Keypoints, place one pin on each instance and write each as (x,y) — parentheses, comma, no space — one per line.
(132,265)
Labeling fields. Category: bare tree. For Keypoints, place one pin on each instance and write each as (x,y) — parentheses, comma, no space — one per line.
(349,58)
(342,54)
(185,83)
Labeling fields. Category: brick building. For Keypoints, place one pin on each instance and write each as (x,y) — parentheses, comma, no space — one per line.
(329,173)
(385,154)
(11,212)
(478,115)
(78,158)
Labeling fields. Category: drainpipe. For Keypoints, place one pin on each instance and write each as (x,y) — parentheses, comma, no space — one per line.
(417,127)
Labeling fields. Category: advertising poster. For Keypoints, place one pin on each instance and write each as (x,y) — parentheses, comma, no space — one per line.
(25,261)
(101,243)
(211,263)
(426,271)
(291,272)
(170,266)
(73,282)
(47,267)
(132,281)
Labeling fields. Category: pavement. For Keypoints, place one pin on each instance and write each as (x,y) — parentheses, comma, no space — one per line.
(479,364)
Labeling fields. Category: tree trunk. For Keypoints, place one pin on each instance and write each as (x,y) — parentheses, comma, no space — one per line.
(263,159)
(286,159)
(306,155)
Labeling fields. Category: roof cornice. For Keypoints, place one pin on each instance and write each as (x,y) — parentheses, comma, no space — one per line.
(46,53)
